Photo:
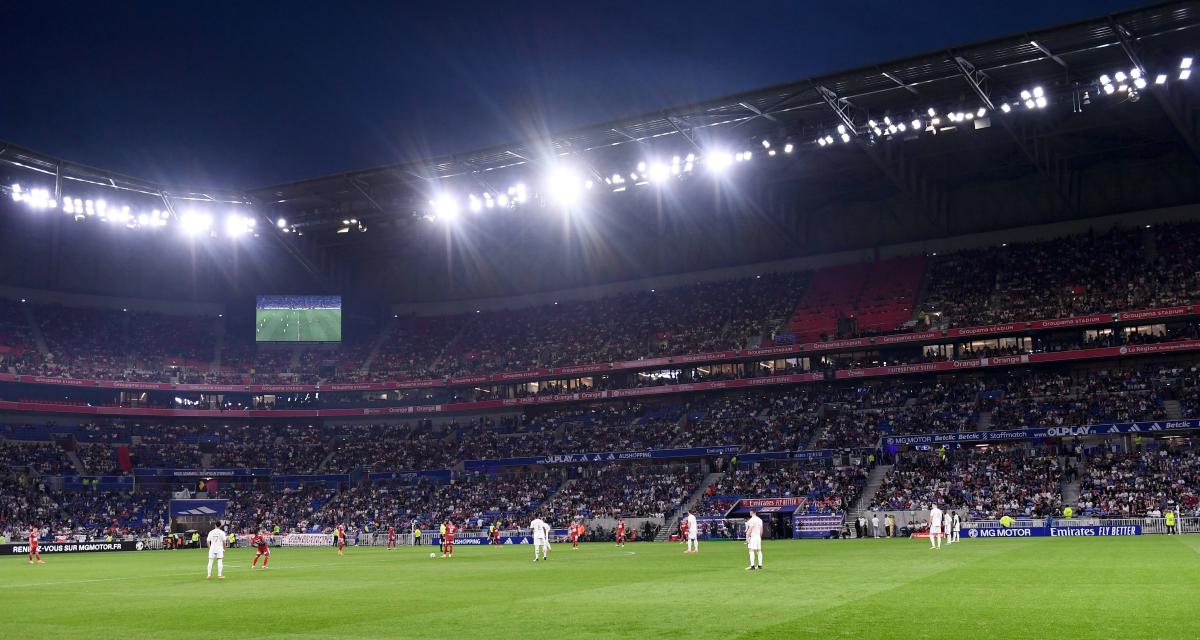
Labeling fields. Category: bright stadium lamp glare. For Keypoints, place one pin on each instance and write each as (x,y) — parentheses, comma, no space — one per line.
(564,186)
(788,148)
(474,204)
(1038,92)
(445,206)
(281,223)
(194,223)
(659,172)
(502,200)
(916,124)
(236,226)
(719,160)
(1184,74)
(1160,79)
(766,144)
(1186,63)
(1005,108)
(1140,83)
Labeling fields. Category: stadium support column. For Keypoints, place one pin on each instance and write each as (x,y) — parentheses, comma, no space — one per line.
(924,196)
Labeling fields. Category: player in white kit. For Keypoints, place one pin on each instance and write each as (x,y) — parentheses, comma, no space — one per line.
(935,526)
(541,537)
(754,531)
(693,540)
(947,521)
(956,524)
(216,551)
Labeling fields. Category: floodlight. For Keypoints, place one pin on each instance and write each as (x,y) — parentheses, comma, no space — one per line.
(916,124)
(1184,74)
(563,186)
(719,160)
(1161,79)
(787,148)
(1186,63)
(281,223)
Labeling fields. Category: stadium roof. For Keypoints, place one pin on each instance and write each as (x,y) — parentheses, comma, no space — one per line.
(1064,57)
(1086,155)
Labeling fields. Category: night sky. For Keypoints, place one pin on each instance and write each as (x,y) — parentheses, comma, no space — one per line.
(250,93)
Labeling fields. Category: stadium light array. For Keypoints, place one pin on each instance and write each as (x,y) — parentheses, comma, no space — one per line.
(237,225)
(194,223)
(40,199)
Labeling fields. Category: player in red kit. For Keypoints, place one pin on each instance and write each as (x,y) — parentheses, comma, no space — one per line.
(621,532)
(574,531)
(496,533)
(340,534)
(259,542)
(33,547)
(449,542)
(391,537)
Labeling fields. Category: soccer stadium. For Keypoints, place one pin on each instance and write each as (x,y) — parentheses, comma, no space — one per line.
(838,357)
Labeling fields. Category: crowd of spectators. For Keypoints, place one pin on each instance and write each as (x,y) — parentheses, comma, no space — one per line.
(1074,275)
(1116,270)
(624,491)
(1141,483)
(988,482)
(824,488)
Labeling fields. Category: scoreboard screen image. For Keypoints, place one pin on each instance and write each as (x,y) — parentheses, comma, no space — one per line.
(298,319)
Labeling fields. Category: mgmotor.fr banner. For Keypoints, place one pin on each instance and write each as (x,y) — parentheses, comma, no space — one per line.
(22,548)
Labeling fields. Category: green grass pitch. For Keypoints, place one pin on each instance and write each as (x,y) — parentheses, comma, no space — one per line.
(1036,588)
(298,325)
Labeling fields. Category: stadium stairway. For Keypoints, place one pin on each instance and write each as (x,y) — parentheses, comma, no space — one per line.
(1070,490)
(39,338)
(1173,409)
(76,463)
(985,420)
(218,347)
(874,479)
(672,523)
(325,460)
(376,345)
